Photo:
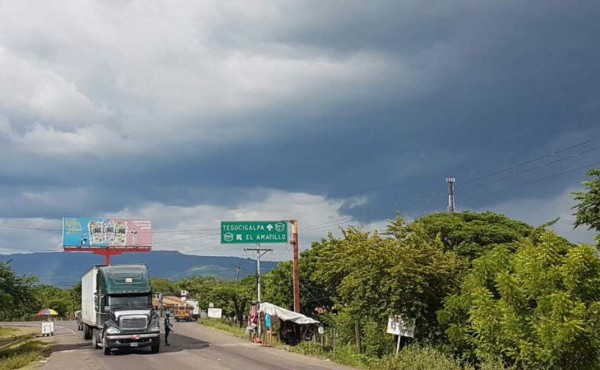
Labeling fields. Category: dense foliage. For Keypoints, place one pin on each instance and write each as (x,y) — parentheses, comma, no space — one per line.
(534,305)
(470,234)
(16,293)
(375,277)
(482,287)
(279,290)
(588,206)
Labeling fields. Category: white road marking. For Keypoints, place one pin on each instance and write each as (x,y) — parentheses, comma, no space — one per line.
(72,332)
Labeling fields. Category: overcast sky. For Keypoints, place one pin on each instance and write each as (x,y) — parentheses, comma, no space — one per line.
(331,112)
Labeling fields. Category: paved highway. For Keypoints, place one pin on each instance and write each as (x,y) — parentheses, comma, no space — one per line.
(192,347)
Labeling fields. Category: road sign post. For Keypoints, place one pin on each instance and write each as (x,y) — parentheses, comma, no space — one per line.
(263,232)
(254,232)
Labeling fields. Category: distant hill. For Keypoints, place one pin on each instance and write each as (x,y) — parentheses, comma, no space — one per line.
(65,269)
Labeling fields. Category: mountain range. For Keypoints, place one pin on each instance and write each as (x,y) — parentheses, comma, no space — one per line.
(64,270)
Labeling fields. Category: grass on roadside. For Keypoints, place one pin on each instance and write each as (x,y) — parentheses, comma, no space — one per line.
(410,358)
(8,332)
(224,326)
(24,350)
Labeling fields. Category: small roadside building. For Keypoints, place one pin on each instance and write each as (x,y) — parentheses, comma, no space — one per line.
(291,327)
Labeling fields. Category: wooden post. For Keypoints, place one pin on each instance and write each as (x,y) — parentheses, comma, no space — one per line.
(296,265)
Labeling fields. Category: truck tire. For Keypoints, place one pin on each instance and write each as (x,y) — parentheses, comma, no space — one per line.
(94,339)
(105,347)
(87,332)
(155,348)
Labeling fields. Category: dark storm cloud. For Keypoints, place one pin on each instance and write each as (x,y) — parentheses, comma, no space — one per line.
(348,100)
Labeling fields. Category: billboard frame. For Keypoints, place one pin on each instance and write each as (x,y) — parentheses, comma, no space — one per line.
(103,247)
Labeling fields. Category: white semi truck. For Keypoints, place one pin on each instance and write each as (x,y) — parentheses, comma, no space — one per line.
(116,308)
(196,308)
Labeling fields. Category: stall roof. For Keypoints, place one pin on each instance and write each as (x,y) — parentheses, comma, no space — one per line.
(286,315)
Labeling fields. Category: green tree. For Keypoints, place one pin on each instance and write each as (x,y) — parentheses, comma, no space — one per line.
(534,305)
(200,288)
(588,207)
(470,234)
(17,297)
(164,286)
(233,297)
(279,289)
(48,296)
(376,276)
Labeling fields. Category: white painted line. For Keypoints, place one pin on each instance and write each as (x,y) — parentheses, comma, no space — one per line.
(72,332)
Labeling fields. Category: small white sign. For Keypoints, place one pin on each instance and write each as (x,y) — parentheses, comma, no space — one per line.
(215,313)
(404,327)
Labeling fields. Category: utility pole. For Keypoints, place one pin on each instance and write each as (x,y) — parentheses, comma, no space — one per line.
(296,265)
(238,268)
(451,204)
(259,253)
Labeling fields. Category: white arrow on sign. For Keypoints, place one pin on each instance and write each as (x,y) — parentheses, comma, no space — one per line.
(269,227)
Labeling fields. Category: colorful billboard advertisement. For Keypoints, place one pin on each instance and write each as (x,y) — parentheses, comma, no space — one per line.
(106,232)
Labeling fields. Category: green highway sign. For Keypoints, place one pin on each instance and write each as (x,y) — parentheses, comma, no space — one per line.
(254,232)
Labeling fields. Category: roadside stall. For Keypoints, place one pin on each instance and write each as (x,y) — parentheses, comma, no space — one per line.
(48,321)
(293,327)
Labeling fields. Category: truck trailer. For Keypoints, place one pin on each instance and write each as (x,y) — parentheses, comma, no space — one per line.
(116,308)
(196,308)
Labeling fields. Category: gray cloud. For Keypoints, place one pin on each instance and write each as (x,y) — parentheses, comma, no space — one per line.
(111,106)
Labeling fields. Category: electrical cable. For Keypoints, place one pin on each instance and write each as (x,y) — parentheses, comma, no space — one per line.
(533,181)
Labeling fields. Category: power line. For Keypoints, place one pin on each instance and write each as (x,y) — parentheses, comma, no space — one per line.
(518,165)
(533,168)
(28,228)
(534,181)
(531,161)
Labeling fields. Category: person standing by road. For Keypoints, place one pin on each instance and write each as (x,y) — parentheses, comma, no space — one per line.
(168,328)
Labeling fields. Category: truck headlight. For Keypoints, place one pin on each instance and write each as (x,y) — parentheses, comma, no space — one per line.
(154,326)
(112,330)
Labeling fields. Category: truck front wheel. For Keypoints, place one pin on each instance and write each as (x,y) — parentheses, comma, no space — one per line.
(155,348)
(105,347)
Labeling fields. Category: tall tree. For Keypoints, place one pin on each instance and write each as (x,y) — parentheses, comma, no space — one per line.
(470,234)
(587,211)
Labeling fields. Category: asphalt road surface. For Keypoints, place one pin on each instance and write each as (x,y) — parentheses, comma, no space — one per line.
(192,347)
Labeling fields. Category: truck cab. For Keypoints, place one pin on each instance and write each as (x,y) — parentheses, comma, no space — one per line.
(117,308)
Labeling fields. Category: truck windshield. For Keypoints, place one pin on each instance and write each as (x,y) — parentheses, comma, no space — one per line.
(129,302)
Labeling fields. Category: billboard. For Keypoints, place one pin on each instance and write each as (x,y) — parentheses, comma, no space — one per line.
(106,232)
